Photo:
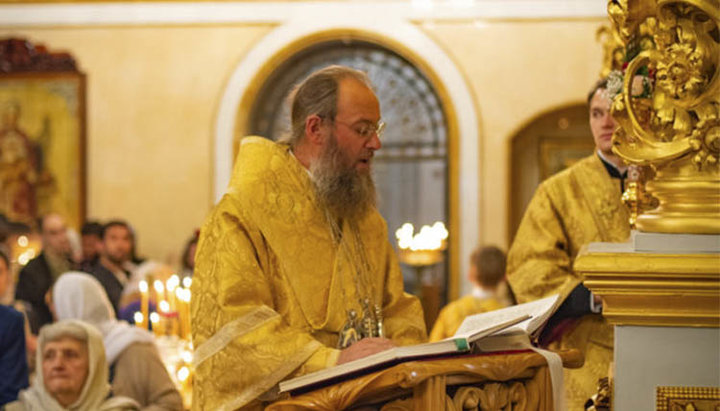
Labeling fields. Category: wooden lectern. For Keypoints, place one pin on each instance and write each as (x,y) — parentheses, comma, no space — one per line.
(517,380)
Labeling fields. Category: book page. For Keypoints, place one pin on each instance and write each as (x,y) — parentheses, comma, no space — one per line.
(539,311)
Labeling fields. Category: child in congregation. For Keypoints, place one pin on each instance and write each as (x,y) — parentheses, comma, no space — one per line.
(490,292)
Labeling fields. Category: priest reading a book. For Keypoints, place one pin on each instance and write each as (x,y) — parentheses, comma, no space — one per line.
(294,269)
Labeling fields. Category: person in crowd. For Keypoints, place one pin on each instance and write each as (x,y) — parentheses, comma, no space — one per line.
(40,273)
(73,373)
(13,362)
(579,205)
(91,238)
(188,256)
(487,275)
(137,371)
(295,272)
(76,255)
(113,268)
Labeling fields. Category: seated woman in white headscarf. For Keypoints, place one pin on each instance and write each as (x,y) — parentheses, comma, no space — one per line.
(136,368)
(72,373)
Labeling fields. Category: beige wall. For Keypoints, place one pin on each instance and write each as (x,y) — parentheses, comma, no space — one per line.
(153,95)
(517,71)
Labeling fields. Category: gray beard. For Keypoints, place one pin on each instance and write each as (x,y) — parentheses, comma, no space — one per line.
(345,192)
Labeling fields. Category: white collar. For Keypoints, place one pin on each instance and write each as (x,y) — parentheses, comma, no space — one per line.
(620,170)
(481,293)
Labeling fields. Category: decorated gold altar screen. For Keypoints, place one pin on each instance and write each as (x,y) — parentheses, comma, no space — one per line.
(661,290)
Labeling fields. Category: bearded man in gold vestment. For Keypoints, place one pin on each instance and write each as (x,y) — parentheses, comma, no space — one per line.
(579,205)
(294,271)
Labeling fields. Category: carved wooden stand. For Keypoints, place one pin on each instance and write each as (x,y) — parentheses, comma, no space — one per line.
(512,381)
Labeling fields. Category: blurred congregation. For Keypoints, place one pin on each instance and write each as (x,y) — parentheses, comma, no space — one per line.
(78,281)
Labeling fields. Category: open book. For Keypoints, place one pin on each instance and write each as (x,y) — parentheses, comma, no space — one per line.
(538,312)
(525,318)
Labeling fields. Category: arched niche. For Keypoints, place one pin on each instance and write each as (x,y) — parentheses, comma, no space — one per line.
(547,144)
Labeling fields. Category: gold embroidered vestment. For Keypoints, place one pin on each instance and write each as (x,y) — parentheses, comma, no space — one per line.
(575,207)
(272,288)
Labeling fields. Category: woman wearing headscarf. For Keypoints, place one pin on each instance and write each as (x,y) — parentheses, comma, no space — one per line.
(73,373)
(136,368)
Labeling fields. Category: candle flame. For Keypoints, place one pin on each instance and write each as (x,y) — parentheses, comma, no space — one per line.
(172,282)
(187,281)
(164,306)
(429,238)
(183,374)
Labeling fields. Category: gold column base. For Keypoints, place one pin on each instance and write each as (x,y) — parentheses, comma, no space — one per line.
(653,289)
(689,200)
(686,206)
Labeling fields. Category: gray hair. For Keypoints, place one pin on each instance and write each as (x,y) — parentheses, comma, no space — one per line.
(60,330)
(317,94)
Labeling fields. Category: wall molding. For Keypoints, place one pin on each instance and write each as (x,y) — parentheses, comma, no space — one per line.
(163,13)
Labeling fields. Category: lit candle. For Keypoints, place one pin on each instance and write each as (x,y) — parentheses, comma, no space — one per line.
(186,313)
(144,303)
(159,291)
(155,320)
(139,319)
(171,284)
(181,311)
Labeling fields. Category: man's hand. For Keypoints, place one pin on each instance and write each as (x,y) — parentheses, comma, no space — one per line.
(363,348)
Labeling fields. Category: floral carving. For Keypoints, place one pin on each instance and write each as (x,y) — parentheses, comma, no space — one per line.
(670,118)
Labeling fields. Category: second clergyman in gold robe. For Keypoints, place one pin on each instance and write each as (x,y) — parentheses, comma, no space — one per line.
(289,272)
(577,206)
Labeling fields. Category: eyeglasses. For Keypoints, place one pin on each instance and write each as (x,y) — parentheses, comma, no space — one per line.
(365,129)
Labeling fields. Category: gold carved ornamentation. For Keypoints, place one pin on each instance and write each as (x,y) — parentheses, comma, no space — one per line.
(668,109)
(521,379)
(613,50)
(635,198)
(494,396)
(650,289)
(687,398)
(399,405)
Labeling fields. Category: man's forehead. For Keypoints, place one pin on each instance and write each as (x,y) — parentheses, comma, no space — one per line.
(118,230)
(53,222)
(357,101)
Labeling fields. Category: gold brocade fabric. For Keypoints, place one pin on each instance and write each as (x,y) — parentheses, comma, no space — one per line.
(575,207)
(271,288)
(453,314)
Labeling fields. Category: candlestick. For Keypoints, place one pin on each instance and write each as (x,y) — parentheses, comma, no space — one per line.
(181,311)
(159,291)
(171,284)
(144,304)
(155,320)
(185,316)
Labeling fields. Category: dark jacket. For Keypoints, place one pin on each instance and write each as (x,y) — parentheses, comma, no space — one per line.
(110,283)
(13,362)
(34,281)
